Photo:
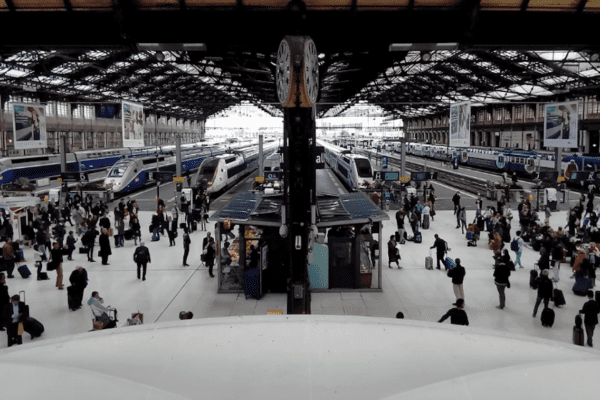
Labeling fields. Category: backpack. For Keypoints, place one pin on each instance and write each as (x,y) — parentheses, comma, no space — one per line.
(514,245)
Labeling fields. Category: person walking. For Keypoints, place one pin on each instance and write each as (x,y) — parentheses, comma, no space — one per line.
(544,291)
(56,255)
(457,315)
(71,245)
(136,229)
(462,216)
(501,275)
(517,246)
(456,202)
(89,240)
(171,230)
(458,275)
(393,252)
(186,246)
(210,256)
(441,248)
(141,256)
(590,311)
(79,281)
(105,250)
(8,256)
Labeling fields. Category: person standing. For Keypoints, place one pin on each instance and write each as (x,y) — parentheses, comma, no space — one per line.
(478,206)
(141,257)
(210,256)
(544,291)
(8,256)
(458,275)
(501,275)
(393,253)
(441,249)
(56,255)
(13,314)
(88,240)
(462,216)
(456,201)
(4,298)
(400,219)
(186,246)
(71,245)
(136,230)
(590,311)
(518,249)
(105,250)
(171,230)
(457,315)
(78,279)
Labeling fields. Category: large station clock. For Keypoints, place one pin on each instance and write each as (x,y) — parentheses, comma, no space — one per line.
(297,73)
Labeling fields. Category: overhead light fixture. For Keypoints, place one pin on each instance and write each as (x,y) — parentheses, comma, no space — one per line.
(423,46)
(594,57)
(171,46)
(425,56)
(159,56)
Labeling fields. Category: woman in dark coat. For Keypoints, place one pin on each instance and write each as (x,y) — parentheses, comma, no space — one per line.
(393,253)
(104,247)
(210,256)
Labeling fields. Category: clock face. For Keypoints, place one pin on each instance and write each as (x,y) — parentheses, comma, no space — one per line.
(311,70)
(284,66)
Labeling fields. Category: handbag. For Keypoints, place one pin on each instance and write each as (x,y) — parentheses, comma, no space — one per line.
(202,257)
(20,329)
(432,213)
(51,266)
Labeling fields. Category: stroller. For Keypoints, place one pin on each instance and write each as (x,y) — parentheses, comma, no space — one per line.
(472,235)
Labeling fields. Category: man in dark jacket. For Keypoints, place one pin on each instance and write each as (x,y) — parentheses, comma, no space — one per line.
(79,280)
(141,256)
(458,275)
(13,313)
(590,310)
(457,315)
(4,297)
(544,290)
(456,201)
(104,222)
(440,246)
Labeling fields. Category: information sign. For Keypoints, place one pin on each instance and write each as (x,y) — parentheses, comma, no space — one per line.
(161,176)
(386,175)
(74,177)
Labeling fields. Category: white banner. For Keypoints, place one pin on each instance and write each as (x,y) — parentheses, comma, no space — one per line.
(460,124)
(29,126)
(133,124)
(560,124)
(25,201)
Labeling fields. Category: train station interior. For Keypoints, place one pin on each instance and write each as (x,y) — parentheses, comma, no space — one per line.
(143,82)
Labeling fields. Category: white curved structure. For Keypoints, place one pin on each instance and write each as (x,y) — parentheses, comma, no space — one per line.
(298,357)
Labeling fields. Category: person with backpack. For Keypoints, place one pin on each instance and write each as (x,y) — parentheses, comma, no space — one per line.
(141,256)
(458,275)
(517,246)
(544,291)
(441,248)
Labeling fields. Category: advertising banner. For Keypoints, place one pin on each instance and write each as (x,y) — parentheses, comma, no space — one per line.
(460,124)
(133,124)
(29,126)
(560,124)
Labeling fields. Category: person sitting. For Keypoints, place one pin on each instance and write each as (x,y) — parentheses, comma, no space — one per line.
(101,312)
(186,315)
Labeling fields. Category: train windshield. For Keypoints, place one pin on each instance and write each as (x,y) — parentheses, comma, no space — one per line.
(363,167)
(208,169)
(117,171)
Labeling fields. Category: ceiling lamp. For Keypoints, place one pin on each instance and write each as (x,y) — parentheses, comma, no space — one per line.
(423,46)
(594,57)
(425,56)
(159,56)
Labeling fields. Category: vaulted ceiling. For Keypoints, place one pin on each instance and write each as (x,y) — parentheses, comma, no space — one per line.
(192,59)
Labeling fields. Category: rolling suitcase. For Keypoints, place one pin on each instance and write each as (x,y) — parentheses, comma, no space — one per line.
(425,224)
(559,298)
(547,317)
(24,271)
(578,331)
(43,276)
(418,238)
(194,226)
(429,262)
(34,327)
(533,274)
(252,283)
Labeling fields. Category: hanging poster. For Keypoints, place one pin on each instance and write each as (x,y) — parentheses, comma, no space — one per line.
(29,126)
(133,124)
(460,124)
(560,124)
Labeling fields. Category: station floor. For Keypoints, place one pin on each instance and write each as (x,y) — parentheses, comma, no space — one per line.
(419,293)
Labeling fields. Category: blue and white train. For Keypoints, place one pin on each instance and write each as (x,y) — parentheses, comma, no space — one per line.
(219,172)
(354,169)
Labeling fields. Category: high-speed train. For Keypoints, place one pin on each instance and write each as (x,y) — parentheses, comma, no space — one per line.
(354,169)
(224,170)
(48,165)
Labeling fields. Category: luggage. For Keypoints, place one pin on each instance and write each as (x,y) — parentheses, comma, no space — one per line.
(72,298)
(20,255)
(43,276)
(128,234)
(578,321)
(429,261)
(418,238)
(397,237)
(252,283)
(34,327)
(425,224)
(548,317)
(450,263)
(481,223)
(182,225)
(24,271)
(83,250)
(470,235)
(559,298)
(533,274)
(578,336)
(582,285)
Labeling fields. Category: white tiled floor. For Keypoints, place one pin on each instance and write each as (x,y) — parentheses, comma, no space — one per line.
(420,294)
